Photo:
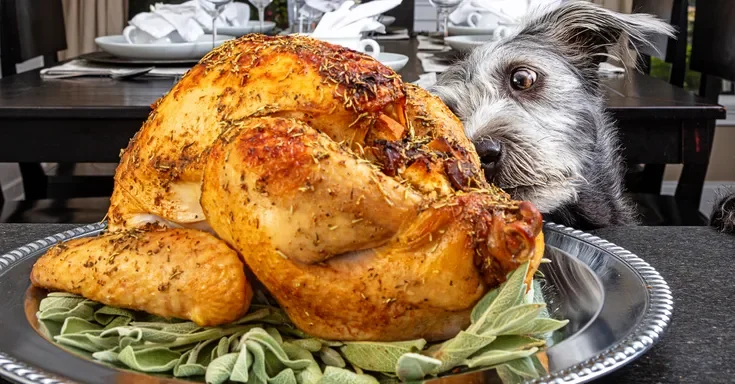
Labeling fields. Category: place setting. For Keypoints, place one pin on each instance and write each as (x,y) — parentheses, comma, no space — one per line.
(351,25)
(166,41)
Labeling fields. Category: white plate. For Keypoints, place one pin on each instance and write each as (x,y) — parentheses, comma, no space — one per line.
(253,26)
(467,43)
(463,30)
(387,20)
(117,46)
(393,61)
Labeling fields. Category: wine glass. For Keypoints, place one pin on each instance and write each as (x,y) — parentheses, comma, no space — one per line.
(261,4)
(214,8)
(442,15)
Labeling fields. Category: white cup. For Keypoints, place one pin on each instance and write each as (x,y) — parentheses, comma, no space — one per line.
(482,20)
(133,35)
(504,30)
(354,43)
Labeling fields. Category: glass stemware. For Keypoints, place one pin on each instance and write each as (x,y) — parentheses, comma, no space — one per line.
(260,5)
(214,8)
(443,7)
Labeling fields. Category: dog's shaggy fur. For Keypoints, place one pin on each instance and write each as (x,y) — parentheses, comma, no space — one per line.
(723,212)
(559,149)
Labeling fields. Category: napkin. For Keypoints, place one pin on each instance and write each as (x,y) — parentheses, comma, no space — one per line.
(430,63)
(189,19)
(350,20)
(510,11)
(78,67)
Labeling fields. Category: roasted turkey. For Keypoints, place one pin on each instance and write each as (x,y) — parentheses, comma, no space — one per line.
(354,198)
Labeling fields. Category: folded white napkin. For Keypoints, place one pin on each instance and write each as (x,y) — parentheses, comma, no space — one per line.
(431,64)
(80,67)
(189,19)
(350,20)
(511,11)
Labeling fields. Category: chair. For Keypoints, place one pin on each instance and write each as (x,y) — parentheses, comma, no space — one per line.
(28,29)
(644,181)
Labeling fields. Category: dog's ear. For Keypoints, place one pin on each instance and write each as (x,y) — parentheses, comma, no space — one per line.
(588,34)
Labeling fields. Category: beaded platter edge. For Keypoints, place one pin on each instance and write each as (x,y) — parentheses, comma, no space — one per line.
(652,326)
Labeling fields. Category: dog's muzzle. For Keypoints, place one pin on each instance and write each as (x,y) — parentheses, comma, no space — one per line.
(489,151)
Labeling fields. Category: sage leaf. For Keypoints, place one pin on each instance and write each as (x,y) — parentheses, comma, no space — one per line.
(64,302)
(49,328)
(109,356)
(284,377)
(495,357)
(523,367)
(189,370)
(267,341)
(242,366)
(413,366)
(312,374)
(149,360)
(275,334)
(509,294)
(455,351)
(182,369)
(119,321)
(512,343)
(220,369)
(254,316)
(223,347)
(536,327)
(83,310)
(334,375)
(379,356)
(331,357)
(311,345)
(87,342)
(514,317)
(107,314)
(77,325)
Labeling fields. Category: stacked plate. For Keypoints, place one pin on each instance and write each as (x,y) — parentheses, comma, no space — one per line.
(120,50)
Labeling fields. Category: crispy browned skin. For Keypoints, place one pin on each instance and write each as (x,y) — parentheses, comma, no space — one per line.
(420,282)
(355,198)
(329,87)
(177,273)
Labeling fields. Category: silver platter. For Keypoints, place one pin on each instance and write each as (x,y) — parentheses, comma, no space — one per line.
(617,304)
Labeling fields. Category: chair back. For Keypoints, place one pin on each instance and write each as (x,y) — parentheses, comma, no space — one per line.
(671,50)
(713,43)
(30,28)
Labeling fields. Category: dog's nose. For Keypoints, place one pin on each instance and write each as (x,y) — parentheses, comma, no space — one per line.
(488,150)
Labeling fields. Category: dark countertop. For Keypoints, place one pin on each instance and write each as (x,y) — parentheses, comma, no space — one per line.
(698,345)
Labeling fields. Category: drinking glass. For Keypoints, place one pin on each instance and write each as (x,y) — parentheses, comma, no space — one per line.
(214,8)
(261,4)
(443,8)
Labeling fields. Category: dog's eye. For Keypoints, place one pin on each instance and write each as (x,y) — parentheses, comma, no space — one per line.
(522,78)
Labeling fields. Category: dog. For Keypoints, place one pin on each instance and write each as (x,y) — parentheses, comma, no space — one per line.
(532,105)
(723,212)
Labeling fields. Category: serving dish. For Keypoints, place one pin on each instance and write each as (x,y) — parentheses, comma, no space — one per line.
(467,43)
(117,46)
(617,304)
(464,30)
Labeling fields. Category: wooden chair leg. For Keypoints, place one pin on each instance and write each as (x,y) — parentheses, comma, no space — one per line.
(652,178)
(35,182)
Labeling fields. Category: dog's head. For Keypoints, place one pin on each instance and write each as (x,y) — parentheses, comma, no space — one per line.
(530,102)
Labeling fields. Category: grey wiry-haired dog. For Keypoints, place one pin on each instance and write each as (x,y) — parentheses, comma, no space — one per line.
(532,105)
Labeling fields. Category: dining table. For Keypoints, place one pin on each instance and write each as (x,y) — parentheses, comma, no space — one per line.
(696,347)
(91,119)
